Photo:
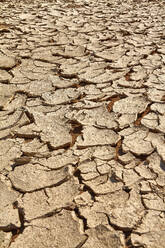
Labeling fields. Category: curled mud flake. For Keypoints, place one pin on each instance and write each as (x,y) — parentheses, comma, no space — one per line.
(49,199)
(88,170)
(153,201)
(155,95)
(157,141)
(129,213)
(131,84)
(139,73)
(144,171)
(104,152)
(104,184)
(94,215)
(55,131)
(14,119)
(20,161)
(131,105)
(25,178)
(126,120)
(83,199)
(46,231)
(130,177)
(61,96)
(150,240)
(70,52)
(71,70)
(151,231)
(126,158)
(5,77)
(158,107)
(150,121)
(8,152)
(98,117)
(145,187)
(60,160)
(93,136)
(136,142)
(61,83)
(112,54)
(36,88)
(28,132)
(7,62)
(103,168)
(31,147)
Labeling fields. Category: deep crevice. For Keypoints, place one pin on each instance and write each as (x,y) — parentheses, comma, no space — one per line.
(19,230)
(90,191)
(78,214)
(82,243)
(140,116)
(75,131)
(77,174)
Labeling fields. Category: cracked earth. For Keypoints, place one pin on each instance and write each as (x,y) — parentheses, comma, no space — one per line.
(82,124)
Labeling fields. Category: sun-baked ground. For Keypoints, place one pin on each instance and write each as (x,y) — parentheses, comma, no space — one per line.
(82,124)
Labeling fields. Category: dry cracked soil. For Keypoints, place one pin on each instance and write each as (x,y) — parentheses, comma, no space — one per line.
(82,124)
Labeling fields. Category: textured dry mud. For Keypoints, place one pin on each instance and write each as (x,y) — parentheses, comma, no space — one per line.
(82,124)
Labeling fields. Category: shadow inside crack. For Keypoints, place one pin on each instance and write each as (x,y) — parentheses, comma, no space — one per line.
(162,165)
